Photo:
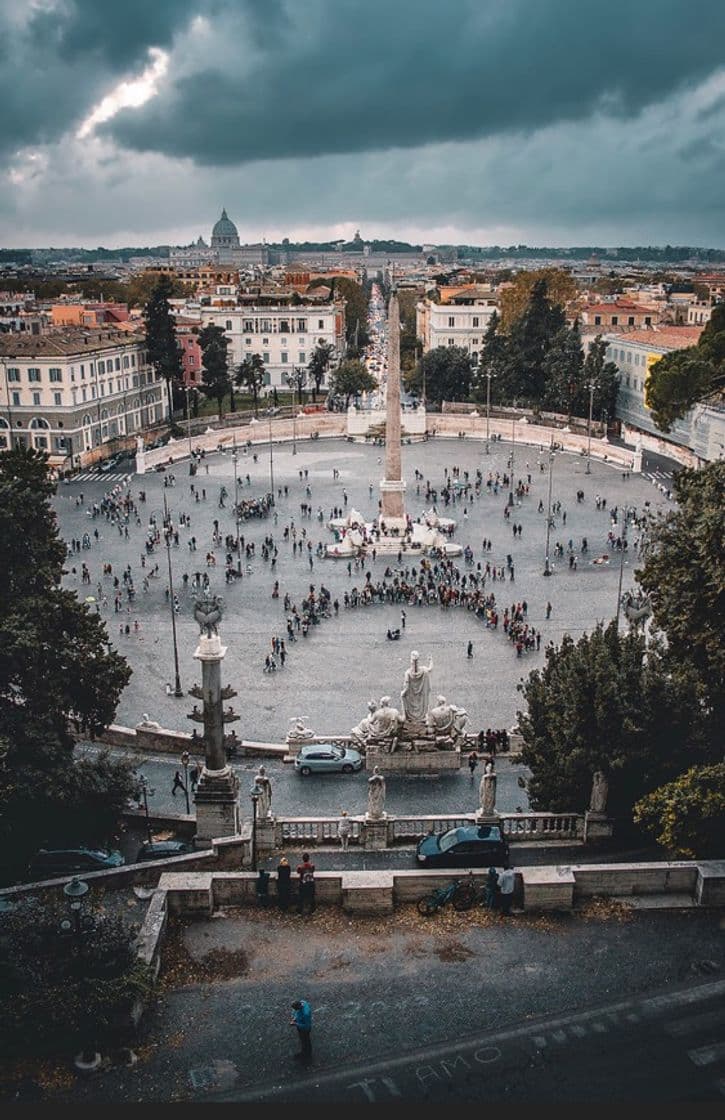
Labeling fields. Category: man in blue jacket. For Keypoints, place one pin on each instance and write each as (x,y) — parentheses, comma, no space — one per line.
(302,1019)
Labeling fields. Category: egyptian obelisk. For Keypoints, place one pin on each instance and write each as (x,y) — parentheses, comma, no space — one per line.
(392,487)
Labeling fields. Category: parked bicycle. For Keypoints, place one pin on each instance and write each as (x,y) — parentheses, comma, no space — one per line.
(441,896)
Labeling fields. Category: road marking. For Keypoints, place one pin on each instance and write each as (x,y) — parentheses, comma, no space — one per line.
(706,1055)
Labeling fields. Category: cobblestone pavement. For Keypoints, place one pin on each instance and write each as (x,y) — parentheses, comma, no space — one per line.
(330,674)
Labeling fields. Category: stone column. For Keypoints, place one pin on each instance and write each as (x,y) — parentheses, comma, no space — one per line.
(392,486)
(217,807)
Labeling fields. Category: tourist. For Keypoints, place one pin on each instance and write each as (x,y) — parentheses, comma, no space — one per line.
(178,784)
(344,828)
(302,1020)
(284,884)
(306,878)
(506,890)
(472,761)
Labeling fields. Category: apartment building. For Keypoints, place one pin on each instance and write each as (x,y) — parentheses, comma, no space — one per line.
(458,316)
(71,392)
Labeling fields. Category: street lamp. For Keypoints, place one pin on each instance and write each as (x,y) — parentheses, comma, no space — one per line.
(255,798)
(146,789)
(295,379)
(185,757)
(513,448)
(591,387)
(489,375)
(178,690)
(75,891)
(271,458)
(621,573)
(236,505)
(547,568)
(187,390)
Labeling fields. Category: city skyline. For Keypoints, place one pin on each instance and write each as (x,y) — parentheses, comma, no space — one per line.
(475,123)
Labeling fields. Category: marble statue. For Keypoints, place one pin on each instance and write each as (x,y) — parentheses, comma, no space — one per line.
(208,613)
(446,721)
(362,732)
(487,790)
(298,733)
(600,789)
(385,722)
(264,788)
(376,794)
(416,690)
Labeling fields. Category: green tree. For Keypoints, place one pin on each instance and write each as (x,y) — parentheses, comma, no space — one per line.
(604,376)
(447,372)
(351,378)
(250,375)
(606,702)
(682,378)
(139,288)
(163,349)
(318,364)
(684,576)
(563,370)
(559,286)
(530,339)
(357,298)
(215,379)
(57,673)
(493,359)
(687,816)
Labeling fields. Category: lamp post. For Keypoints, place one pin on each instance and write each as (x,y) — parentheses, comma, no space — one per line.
(146,789)
(236,506)
(271,457)
(295,379)
(621,573)
(75,892)
(178,690)
(591,387)
(187,390)
(513,448)
(185,756)
(547,568)
(255,798)
(489,375)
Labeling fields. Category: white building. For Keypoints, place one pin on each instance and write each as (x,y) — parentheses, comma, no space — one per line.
(282,332)
(701,433)
(459,319)
(73,391)
(225,249)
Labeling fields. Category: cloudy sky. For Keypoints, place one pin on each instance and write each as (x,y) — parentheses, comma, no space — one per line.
(480,121)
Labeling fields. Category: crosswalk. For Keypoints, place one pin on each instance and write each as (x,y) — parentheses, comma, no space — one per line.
(99,476)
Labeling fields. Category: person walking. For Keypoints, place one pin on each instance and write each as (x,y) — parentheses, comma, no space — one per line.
(284,883)
(548,610)
(306,877)
(344,828)
(506,890)
(178,784)
(469,650)
(490,888)
(472,762)
(302,1020)
(194,777)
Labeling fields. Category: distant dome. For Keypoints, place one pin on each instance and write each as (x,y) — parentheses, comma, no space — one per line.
(224,232)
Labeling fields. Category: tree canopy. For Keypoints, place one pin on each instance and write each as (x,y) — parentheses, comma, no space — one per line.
(687,816)
(684,576)
(318,364)
(559,287)
(447,373)
(350,378)
(163,349)
(57,670)
(682,378)
(215,380)
(249,374)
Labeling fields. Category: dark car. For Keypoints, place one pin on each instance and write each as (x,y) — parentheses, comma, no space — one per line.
(162,849)
(49,863)
(472,846)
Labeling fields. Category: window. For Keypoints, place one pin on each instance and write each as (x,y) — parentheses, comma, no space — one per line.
(597,320)
(33,375)
(301,326)
(102,367)
(451,321)
(265,326)
(228,325)
(117,363)
(475,320)
(93,392)
(284,326)
(265,342)
(133,360)
(83,373)
(630,321)
(57,399)
(302,357)
(16,399)
(320,324)
(55,375)
(265,356)
(283,357)
(615,320)
(13,375)
(84,392)
(636,359)
(247,342)
(248,326)
(648,320)
(451,342)
(125,361)
(36,398)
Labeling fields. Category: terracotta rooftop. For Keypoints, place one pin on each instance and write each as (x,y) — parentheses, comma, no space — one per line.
(74,340)
(664,338)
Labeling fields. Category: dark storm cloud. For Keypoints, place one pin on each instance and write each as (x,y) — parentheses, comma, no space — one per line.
(56,61)
(283,78)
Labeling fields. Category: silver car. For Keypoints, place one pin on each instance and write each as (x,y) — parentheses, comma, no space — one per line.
(326,758)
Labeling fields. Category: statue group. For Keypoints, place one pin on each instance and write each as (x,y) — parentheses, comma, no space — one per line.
(416,726)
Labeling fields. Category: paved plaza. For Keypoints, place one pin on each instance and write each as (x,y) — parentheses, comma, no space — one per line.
(344,661)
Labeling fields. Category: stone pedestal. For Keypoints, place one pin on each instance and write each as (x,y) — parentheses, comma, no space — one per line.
(217,805)
(376,832)
(265,835)
(413,762)
(487,818)
(597,826)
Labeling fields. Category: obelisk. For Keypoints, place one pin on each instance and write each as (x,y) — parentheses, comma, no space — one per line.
(392,487)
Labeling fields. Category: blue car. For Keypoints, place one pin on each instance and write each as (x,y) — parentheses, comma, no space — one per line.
(50,863)
(472,846)
(327,758)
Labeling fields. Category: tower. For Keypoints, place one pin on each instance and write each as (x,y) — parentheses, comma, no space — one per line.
(392,487)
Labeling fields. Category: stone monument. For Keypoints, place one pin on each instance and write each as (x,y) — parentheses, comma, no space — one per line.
(417,738)
(597,825)
(392,488)
(376,825)
(487,794)
(216,797)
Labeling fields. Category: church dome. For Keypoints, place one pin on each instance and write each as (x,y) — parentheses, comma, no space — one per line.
(224,230)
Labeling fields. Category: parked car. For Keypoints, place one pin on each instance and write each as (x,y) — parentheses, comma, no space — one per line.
(50,862)
(162,849)
(109,464)
(326,758)
(472,846)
